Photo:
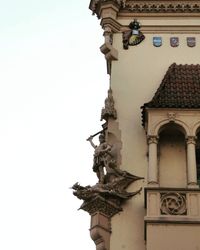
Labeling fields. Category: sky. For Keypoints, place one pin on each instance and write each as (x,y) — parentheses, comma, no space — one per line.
(53,83)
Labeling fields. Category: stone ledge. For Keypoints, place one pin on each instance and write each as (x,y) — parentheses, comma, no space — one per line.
(180,220)
(175,220)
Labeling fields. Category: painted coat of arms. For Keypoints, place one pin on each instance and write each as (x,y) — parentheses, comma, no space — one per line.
(134,36)
(157,41)
(191,41)
(174,41)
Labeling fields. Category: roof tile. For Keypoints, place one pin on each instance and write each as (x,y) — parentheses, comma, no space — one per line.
(180,88)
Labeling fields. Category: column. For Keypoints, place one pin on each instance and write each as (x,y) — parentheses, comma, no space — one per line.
(191,161)
(153,162)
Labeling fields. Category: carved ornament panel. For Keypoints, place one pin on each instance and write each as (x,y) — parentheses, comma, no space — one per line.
(173,204)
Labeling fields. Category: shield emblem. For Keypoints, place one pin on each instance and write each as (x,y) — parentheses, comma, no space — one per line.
(174,41)
(157,41)
(191,41)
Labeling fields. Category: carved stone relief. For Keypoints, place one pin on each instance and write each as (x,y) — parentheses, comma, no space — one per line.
(171,116)
(109,110)
(173,204)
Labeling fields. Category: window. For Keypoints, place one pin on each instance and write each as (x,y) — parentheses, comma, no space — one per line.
(198,157)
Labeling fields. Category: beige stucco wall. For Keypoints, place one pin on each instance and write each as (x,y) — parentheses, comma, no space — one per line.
(179,237)
(172,163)
(135,78)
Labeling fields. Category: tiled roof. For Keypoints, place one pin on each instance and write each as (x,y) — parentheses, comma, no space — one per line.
(180,88)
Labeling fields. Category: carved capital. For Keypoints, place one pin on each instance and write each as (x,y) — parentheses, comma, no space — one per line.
(191,140)
(152,139)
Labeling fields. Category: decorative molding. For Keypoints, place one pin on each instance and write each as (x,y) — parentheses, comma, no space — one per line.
(162,6)
(111,23)
(152,139)
(101,205)
(170,29)
(146,7)
(109,110)
(173,204)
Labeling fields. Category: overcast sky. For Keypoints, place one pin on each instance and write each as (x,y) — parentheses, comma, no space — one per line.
(53,83)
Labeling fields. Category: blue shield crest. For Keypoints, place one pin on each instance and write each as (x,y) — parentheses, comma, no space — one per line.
(157,41)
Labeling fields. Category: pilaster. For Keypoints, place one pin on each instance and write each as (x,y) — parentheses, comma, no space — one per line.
(153,164)
(191,161)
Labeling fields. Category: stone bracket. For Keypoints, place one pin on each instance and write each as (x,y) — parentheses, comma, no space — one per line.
(101,211)
(109,52)
(100,231)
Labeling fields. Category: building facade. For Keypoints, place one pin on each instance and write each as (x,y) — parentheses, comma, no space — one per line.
(152,127)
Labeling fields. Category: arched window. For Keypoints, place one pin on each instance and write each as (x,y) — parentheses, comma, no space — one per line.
(172,156)
(198,157)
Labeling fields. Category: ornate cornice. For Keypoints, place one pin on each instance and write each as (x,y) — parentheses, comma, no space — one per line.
(148,7)
(162,6)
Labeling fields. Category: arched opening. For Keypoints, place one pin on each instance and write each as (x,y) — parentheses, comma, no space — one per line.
(172,156)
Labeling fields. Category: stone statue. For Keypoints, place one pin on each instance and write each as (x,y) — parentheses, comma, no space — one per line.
(103,157)
(109,193)
(109,110)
